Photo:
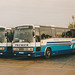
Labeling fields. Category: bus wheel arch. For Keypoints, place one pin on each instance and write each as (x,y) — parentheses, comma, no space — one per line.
(48,52)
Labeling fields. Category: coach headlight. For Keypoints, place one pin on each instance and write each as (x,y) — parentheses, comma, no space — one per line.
(30,49)
(2,48)
(15,49)
(22,49)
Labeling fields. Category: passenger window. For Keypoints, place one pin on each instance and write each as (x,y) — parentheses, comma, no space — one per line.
(45,32)
(73,33)
(60,33)
(53,32)
(68,33)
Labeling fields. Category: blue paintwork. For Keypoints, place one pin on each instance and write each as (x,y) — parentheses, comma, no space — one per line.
(60,47)
(5,52)
(25,54)
(4,49)
(60,42)
(62,52)
(32,54)
(73,39)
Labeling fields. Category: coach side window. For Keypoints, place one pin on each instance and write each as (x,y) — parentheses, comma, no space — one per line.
(73,33)
(53,32)
(45,32)
(60,33)
(68,33)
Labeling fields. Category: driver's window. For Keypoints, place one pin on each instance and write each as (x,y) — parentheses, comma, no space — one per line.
(37,35)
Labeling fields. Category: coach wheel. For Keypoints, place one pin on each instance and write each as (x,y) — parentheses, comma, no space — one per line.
(48,53)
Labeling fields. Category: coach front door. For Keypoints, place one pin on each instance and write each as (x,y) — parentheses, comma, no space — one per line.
(37,42)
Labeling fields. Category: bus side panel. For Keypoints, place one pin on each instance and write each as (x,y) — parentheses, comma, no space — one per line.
(43,48)
(61,49)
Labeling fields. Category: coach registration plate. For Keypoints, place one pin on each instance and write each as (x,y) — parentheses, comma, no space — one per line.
(21,52)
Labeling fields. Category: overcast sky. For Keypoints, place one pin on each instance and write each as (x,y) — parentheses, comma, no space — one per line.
(47,12)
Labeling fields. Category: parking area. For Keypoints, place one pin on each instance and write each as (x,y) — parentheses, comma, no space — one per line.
(56,65)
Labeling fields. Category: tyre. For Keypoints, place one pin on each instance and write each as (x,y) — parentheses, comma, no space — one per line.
(48,53)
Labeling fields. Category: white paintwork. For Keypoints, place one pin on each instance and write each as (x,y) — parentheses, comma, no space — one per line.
(2,27)
(2,44)
(37,44)
(55,40)
(43,42)
(34,25)
(8,44)
(25,44)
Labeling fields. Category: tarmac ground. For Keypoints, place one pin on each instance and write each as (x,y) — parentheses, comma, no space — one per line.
(56,65)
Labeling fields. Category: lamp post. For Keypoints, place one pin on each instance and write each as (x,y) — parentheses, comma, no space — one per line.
(73,20)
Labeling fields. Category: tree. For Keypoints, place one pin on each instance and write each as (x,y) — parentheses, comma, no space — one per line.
(71,26)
